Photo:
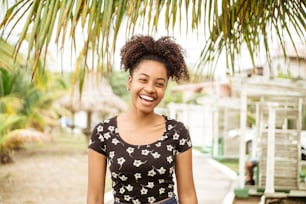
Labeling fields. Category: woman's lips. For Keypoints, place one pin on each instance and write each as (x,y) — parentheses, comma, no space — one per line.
(146,98)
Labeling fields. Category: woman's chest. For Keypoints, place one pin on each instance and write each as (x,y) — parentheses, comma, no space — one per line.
(156,157)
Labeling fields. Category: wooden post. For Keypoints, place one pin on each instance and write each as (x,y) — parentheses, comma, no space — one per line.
(215,131)
(270,150)
(243,120)
(254,153)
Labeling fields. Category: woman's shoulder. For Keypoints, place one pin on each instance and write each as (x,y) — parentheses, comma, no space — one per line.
(172,122)
(106,122)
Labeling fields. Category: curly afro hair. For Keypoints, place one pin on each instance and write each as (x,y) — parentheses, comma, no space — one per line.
(163,50)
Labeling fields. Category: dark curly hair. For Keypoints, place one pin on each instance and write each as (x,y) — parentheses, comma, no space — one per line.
(163,50)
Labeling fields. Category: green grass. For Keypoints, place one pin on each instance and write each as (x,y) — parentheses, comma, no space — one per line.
(303,171)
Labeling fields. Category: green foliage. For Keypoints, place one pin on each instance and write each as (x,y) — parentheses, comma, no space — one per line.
(118,82)
(170,96)
(26,102)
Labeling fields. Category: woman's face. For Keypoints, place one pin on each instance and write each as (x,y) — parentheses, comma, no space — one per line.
(147,85)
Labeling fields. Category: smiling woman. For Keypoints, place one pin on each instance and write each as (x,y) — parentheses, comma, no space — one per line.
(144,149)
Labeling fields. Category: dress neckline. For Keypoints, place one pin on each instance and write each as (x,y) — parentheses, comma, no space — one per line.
(161,138)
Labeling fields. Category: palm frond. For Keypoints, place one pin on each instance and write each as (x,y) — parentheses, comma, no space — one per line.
(253,22)
(230,24)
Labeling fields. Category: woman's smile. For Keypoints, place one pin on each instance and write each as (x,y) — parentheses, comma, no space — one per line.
(146,98)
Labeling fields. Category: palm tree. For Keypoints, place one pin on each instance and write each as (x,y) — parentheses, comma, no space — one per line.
(24,102)
(229,24)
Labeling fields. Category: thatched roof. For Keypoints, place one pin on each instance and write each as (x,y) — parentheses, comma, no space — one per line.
(96,96)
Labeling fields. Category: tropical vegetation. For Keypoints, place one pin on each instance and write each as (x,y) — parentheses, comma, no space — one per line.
(25,103)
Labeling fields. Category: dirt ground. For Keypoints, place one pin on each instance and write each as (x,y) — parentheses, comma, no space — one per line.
(53,173)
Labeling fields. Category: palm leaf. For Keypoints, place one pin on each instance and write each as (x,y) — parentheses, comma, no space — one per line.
(230,24)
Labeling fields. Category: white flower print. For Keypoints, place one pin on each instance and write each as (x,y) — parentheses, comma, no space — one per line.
(103,148)
(158,144)
(137,176)
(176,136)
(129,187)
(156,155)
(114,175)
(164,137)
(143,191)
(189,143)
(170,194)
(130,150)
(161,191)
(150,185)
(138,163)
(151,173)
(151,199)
(136,201)
(161,181)
(121,161)
(161,170)
(169,148)
(182,141)
(115,141)
(127,197)
(111,128)
(169,159)
(170,127)
(122,190)
(171,170)
(123,178)
(90,142)
(107,135)
(145,152)
(101,138)
(100,128)
(111,154)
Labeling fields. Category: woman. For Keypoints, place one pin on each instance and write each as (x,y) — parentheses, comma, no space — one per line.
(144,149)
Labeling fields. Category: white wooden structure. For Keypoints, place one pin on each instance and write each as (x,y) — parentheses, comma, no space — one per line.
(277,106)
(276,145)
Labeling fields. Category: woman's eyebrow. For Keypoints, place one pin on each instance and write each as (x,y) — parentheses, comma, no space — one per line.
(146,75)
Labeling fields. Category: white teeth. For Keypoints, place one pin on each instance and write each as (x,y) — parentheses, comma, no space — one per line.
(147,98)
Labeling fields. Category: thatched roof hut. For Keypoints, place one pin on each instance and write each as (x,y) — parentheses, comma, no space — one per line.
(95,96)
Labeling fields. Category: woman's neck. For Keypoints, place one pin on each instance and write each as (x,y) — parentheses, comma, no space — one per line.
(141,118)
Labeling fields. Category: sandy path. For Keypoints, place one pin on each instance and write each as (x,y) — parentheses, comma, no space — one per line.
(49,174)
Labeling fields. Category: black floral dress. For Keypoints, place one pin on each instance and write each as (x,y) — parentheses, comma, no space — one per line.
(141,173)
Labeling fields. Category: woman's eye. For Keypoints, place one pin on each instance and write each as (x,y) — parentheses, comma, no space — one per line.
(160,84)
(143,80)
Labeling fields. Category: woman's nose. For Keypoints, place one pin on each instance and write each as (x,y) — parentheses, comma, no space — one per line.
(150,87)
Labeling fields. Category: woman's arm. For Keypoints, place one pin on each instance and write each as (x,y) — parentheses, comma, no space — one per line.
(184,176)
(96,177)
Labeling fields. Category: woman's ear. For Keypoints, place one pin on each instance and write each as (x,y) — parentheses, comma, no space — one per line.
(129,82)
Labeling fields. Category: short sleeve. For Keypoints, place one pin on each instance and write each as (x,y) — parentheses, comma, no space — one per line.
(97,140)
(184,142)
